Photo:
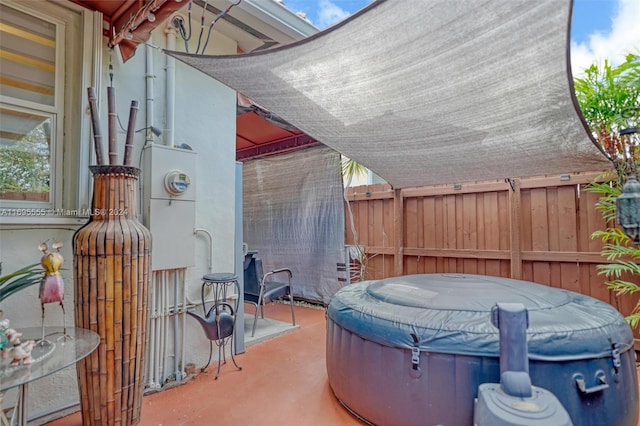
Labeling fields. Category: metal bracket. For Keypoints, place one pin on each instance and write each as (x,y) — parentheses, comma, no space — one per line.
(615,353)
(415,371)
(415,358)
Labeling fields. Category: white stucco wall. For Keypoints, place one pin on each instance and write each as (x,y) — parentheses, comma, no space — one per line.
(205,120)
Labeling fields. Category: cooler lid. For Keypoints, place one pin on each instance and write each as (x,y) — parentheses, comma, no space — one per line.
(451,313)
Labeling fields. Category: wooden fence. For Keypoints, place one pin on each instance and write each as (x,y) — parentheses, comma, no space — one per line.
(536,229)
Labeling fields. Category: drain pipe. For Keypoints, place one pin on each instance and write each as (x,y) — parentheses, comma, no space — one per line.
(149,89)
(196,231)
(148,80)
(204,231)
(170,84)
(170,94)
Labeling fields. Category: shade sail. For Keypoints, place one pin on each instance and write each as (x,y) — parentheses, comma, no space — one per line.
(429,91)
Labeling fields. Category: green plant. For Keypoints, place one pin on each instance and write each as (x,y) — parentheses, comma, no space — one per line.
(618,249)
(357,256)
(25,164)
(20,279)
(609,98)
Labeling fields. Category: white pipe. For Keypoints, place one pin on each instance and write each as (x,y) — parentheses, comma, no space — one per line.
(156,349)
(149,93)
(184,316)
(167,330)
(160,319)
(164,327)
(156,287)
(148,77)
(170,86)
(177,373)
(210,237)
(152,333)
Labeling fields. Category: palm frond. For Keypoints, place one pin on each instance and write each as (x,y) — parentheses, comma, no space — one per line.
(620,247)
(621,287)
(617,269)
(350,168)
(612,236)
(633,319)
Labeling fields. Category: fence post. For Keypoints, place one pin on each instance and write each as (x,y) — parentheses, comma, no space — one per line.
(398,227)
(515,214)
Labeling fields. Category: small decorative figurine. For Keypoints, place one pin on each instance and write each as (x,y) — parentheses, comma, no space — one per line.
(52,286)
(19,352)
(4,326)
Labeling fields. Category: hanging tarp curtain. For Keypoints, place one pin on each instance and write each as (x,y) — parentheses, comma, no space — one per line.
(294,217)
(430,91)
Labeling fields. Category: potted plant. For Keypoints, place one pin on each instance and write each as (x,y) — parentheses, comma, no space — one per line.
(12,283)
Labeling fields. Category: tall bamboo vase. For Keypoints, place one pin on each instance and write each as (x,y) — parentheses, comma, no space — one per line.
(111,278)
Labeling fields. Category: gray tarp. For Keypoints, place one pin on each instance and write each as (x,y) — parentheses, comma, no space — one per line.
(429,91)
(294,217)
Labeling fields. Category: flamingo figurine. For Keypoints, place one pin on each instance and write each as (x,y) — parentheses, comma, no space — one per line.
(52,285)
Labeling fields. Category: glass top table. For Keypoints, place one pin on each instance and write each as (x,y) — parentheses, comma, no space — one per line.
(57,353)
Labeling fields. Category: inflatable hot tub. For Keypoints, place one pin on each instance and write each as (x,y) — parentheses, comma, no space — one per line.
(413,350)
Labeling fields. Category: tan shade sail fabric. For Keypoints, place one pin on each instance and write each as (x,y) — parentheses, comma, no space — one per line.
(429,91)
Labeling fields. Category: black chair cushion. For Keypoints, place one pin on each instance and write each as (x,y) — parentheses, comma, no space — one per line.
(252,277)
(274,290)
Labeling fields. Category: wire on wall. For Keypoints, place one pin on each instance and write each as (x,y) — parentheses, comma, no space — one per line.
(179,23)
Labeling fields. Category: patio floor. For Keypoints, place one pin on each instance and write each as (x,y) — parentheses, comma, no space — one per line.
(283,382)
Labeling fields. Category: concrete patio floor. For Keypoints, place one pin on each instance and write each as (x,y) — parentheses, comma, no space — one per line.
(283,381)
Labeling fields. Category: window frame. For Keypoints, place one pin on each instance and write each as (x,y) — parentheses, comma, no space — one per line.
(56,112)
(78,64)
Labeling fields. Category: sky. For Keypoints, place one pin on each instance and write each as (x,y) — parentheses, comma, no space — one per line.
(600,29)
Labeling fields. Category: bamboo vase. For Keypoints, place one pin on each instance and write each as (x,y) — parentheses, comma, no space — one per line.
(111,276)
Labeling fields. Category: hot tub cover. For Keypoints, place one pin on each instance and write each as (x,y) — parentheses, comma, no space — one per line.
(451,313)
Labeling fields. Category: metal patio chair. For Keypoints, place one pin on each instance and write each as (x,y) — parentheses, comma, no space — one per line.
(260,288)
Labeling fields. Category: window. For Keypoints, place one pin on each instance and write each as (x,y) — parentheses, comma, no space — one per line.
(31,106)
(25,166)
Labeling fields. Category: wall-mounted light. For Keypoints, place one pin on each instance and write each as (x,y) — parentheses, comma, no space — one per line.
(628,203)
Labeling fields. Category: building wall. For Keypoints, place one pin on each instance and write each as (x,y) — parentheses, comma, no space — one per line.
(204,119)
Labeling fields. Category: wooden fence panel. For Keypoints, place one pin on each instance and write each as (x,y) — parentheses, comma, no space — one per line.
(472,229)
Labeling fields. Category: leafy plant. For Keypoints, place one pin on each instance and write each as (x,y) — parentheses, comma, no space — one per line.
(25,164)
(609,98)
(358,258)
(20,279)
(618,248)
